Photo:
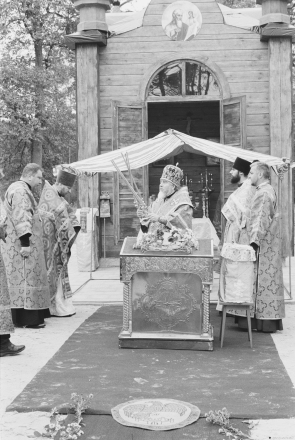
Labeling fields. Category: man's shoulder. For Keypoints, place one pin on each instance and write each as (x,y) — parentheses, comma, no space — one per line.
(182,196)
(17,184)
(183,190)
(18,187)
(264,192)
(265,189)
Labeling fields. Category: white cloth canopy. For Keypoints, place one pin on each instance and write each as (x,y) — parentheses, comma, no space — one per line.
(121,22)
(245,18)
(164,145)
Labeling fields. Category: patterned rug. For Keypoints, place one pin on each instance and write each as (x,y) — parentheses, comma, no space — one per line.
(156,414)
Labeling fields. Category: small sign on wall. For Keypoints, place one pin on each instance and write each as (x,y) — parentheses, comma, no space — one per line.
(105,205)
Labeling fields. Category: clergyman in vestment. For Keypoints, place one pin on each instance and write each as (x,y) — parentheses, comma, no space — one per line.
(23,252)
(173,207)
(235,211)
(60,229)
(7,348)
(264,236)
(236,207)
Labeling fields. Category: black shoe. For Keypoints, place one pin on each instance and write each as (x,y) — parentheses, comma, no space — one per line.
(11,349)
(63,316)
(35,326)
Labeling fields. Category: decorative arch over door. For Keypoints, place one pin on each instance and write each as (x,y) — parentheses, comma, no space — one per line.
(186,68)
(184,78)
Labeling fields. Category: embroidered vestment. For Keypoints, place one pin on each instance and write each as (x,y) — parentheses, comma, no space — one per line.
(27,281)
(59,220)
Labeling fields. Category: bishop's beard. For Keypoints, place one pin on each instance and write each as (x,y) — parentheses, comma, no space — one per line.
(161,195)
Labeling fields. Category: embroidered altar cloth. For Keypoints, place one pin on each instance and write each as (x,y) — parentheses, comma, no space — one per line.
(238,276)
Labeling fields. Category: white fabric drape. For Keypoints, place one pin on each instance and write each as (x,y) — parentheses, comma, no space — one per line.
(164,145)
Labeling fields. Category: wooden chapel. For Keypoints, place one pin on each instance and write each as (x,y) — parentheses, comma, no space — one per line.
(224,83)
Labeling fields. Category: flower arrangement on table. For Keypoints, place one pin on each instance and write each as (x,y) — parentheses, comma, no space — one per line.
(165,239)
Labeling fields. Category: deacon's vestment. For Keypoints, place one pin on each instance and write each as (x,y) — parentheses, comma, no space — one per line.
(236,212)
(27,281)
(263,229)
(59,223)
(6,325)
(176,209)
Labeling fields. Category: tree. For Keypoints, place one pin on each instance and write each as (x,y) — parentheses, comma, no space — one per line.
(37,88)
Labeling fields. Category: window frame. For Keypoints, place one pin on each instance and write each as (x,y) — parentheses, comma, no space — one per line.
(183,95)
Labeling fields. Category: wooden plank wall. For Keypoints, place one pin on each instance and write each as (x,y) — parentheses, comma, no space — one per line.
(239,53)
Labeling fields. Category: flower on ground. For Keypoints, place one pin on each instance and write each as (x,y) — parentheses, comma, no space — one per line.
(70,431)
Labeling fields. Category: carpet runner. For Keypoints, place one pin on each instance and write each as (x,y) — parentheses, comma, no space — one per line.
(249,383)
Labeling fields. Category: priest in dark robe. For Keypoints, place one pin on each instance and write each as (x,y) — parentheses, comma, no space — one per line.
(60,229)
(173,207)
(23,252)
(264,236)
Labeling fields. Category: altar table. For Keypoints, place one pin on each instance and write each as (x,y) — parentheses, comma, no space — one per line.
(166,297)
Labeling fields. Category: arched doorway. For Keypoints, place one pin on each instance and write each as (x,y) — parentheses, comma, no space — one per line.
(186,94)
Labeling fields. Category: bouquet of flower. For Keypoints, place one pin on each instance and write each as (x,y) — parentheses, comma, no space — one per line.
(165,239)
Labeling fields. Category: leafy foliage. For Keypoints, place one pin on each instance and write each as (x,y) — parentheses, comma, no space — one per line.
(222,418)
(68,428)
(37,84)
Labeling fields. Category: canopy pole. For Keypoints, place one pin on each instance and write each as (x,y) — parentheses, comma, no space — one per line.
(290,216)
(104,238)
(279,204)
(280,229)
(92,223)
(91,202)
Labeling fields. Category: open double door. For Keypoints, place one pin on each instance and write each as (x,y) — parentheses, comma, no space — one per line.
(130,126)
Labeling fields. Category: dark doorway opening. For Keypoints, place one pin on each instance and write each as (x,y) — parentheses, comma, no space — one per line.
(199,119)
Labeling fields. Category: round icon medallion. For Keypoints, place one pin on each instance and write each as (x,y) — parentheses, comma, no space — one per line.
(182,21)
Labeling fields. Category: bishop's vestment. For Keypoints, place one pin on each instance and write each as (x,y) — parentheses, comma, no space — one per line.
(176,209)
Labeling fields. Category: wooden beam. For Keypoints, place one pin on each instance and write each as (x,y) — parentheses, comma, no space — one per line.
(281,129)
(274,11)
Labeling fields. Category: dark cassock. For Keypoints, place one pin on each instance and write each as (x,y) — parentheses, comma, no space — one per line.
(173,207)
(26,277)
(60,229)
